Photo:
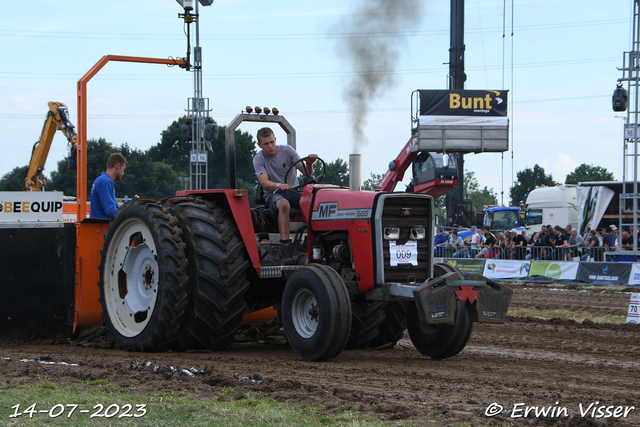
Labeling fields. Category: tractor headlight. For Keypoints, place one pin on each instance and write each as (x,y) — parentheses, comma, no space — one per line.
(391,233)
(417,233)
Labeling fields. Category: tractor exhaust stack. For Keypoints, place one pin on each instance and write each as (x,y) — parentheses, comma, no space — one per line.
(354,172)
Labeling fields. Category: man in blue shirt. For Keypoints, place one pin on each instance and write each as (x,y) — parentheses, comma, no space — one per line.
(440,242)
(103,193)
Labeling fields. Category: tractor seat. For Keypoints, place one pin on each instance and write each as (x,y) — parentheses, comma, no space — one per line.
(294,213)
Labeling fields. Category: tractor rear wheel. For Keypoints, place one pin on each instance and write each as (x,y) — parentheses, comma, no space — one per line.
(316,313)
(391,330)
(216,270)
(366,318)
(440,341)
(143,277)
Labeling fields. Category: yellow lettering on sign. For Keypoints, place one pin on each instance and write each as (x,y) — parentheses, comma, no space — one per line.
(487,99)
(25,207)
(8,207)
(454,100)
(467,103)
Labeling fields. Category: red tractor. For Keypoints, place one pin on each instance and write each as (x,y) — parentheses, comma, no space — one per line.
(181,272)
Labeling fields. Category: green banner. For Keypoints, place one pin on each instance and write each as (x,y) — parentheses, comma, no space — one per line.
(555,269)
(467,265)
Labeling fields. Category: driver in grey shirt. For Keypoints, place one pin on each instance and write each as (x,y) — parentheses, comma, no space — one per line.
(271,164)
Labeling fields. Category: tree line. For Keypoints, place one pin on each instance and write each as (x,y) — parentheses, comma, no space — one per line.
(157,171)
(530,178)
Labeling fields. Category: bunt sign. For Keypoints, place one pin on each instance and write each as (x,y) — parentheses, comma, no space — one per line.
(463,107)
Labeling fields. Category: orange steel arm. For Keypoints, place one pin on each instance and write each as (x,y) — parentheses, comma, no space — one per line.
(82,119)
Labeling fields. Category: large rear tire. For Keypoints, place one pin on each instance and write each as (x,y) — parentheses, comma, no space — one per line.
(316,313)
(440,341)
(143,277)
(391,330)
(366,318)
(217,267)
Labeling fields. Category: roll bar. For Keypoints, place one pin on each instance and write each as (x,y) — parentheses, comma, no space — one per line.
(230,138)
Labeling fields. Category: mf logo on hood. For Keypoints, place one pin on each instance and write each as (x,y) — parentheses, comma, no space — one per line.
(405,212)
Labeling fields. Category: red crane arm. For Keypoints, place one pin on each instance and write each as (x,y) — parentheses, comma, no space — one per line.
(398,167)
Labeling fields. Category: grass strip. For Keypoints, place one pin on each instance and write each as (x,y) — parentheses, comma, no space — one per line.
(109,408)
(578,316)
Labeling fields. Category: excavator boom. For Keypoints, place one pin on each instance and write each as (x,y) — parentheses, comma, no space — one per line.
(57,119)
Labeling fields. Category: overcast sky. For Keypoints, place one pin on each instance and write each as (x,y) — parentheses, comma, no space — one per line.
(560,67)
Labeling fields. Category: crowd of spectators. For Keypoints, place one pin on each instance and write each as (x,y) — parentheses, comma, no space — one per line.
(550,243)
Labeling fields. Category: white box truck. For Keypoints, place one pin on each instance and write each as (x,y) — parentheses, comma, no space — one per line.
(551,205)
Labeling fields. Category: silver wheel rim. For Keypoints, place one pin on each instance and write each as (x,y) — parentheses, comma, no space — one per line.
(305,313)
(131,278)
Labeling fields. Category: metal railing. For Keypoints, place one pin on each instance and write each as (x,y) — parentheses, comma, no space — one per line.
(532,253)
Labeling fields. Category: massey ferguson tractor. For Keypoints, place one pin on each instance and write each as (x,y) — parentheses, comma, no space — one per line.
(181,272)
(184,272)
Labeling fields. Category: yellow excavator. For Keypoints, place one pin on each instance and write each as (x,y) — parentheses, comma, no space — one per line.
(57,119)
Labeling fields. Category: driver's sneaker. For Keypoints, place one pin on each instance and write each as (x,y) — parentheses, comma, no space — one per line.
(286,248)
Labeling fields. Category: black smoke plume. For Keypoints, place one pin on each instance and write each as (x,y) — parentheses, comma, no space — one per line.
(375,35)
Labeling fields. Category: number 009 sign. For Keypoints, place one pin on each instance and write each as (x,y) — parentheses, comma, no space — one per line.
(403,254)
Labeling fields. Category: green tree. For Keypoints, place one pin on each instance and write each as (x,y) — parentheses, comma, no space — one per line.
(143,177)
(98,152)
(172,149)
(588,173)
(337,172)
(14,180)
(529,179)
(373,180)
(475,195)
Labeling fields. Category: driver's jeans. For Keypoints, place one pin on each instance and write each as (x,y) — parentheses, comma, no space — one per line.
(292,196)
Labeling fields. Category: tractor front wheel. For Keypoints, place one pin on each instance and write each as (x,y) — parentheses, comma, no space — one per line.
(316,313)
(440,341)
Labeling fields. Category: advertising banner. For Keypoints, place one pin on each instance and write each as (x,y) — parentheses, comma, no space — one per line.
(467,265)
(463,107)
(603,273)
(501,269)
(555,270)
(30,206)
(634,277)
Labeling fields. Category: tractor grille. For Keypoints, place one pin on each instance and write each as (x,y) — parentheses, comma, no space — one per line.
(405,211)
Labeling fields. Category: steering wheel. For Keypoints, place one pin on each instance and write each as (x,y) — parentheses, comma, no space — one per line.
(308,178)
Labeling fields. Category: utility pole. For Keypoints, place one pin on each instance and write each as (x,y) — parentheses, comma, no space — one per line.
(457,77)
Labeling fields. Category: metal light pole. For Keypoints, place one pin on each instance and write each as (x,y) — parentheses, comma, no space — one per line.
(630,195)
(197,107)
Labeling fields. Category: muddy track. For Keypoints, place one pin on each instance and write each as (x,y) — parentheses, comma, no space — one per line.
(529,361)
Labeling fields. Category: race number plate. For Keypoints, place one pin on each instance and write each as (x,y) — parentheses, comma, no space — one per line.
(403,254)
